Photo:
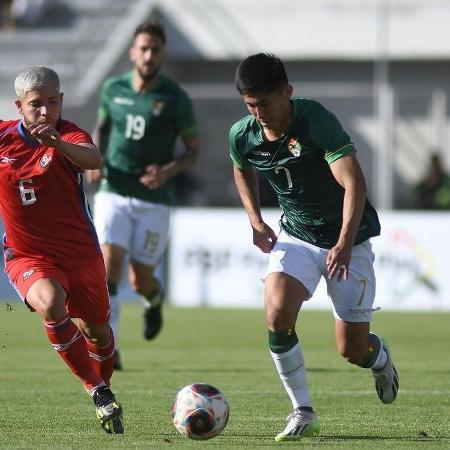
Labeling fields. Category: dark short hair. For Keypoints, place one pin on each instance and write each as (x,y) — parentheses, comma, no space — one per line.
(262,72)
(151,26)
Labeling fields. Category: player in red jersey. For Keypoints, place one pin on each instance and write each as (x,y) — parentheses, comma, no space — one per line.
(52,256)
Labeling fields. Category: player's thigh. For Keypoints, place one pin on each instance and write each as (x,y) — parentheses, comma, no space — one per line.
(291,278)
(283,298)
(113,219)
(150,234)
(298,259)
(41,285)
(88,297)
(353,298)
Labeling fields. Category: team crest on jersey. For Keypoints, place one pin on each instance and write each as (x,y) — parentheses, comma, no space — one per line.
(45,160)
(157,107)
(294,146)
(27,274)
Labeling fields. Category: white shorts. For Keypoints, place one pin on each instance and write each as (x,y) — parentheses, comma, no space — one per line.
(352,298)
(137,226)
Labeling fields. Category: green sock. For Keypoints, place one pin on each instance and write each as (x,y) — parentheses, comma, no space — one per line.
(375,347)
(282,341)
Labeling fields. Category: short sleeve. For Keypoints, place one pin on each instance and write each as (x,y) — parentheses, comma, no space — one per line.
(103,108)
(75,135)
(329,135)
(237,158)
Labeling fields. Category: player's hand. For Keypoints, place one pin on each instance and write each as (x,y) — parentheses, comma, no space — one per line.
(94,176)
(338,261)
(264,237)
(45,134)
(154,176)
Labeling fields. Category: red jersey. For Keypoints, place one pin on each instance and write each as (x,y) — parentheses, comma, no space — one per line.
(44,209)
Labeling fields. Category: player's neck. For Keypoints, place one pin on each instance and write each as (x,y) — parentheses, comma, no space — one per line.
(142,85)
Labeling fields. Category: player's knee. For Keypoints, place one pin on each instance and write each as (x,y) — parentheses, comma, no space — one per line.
(98,333)
(279,320)
(49,303)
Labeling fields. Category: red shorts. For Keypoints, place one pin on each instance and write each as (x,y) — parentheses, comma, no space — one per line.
(85,285)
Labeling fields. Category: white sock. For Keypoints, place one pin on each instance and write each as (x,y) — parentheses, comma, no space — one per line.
(115,317)
(291,369)
(381,360)
(155,300)
(92,391)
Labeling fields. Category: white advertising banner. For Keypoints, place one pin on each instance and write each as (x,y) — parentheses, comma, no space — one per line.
(212,260)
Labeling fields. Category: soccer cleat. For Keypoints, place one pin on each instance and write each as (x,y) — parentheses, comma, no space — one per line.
(386,379)
(300,424)
(152,321)
(117,361)
(108,410)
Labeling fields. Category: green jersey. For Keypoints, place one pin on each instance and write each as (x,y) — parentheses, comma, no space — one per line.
(297,167)
(144,127)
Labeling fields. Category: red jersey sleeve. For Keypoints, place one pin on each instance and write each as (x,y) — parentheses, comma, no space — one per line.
(74,134)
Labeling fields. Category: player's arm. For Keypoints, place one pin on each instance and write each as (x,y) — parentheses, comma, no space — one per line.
(156,175)
(100,135)
(349,175)
(83,155)
(186,160)
(247,185)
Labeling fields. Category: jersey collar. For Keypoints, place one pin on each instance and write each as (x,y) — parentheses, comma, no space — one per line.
(25,136)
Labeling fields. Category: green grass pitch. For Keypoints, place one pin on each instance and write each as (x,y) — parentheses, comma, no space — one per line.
(42,405)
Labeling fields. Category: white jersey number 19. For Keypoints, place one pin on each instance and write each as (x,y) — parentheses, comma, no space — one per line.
(135,127)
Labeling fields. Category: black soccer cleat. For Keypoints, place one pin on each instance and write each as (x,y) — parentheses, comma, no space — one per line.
(152,321)
(108,410)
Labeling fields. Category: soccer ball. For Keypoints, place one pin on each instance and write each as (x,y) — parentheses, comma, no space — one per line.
(200,411)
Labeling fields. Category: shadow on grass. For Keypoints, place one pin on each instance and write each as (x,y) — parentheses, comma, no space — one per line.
(330,438)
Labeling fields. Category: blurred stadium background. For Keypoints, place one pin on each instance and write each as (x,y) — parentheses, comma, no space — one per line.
(383,66)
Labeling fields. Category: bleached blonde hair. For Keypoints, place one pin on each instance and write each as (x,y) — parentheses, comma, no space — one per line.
(35,77)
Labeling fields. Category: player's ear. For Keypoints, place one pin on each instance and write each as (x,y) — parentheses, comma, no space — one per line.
(289,90)
(19,106)
(61,96)
(131,54)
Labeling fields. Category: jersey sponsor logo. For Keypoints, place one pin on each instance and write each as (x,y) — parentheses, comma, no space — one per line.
(45,160)
(7,160)
(27,274)
(294,146)
(123,101)
(260,153)
(157,107)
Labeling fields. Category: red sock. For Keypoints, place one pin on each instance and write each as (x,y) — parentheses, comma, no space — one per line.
(68,341)
(102,358)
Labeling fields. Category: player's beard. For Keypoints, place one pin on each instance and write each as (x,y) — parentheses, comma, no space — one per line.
(148,76)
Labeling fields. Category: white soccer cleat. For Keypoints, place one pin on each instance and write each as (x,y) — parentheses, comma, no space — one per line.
(300,424)
(386,379)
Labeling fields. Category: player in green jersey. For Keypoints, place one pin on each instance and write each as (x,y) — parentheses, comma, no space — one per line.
(327,221)
(142,113)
